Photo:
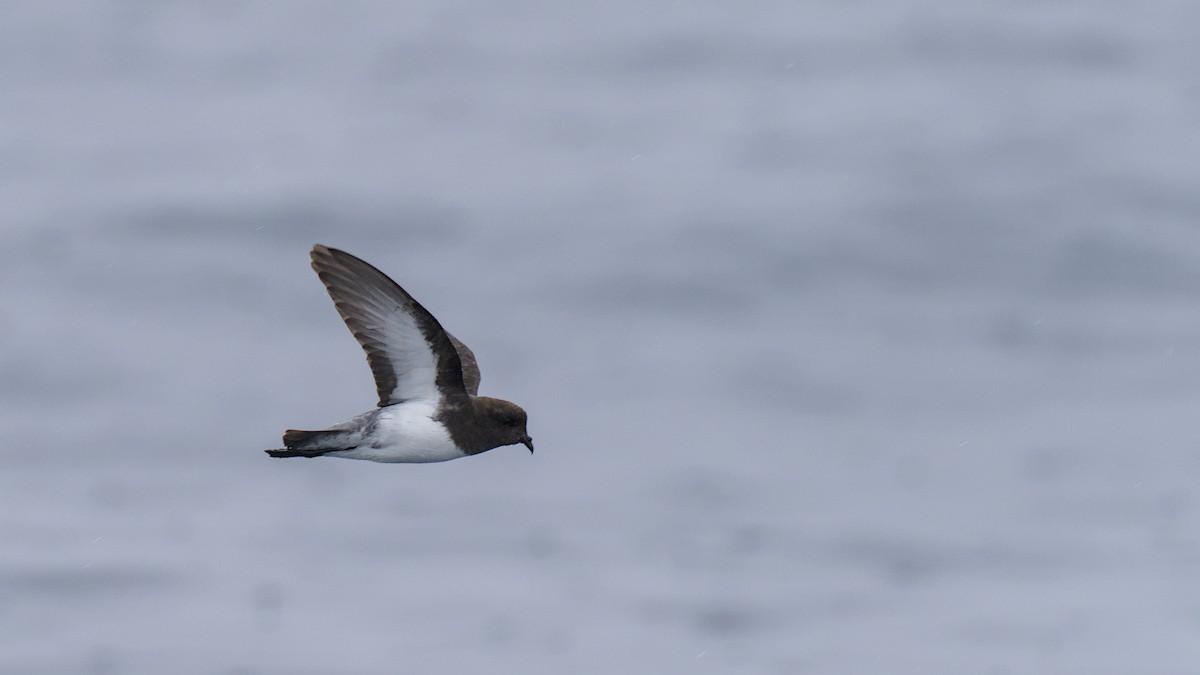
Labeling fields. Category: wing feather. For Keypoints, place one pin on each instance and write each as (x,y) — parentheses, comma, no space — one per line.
(411,356)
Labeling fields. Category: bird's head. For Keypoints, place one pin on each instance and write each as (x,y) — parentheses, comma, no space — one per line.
(506,419)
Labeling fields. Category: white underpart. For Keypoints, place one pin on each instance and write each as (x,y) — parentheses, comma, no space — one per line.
(405,432)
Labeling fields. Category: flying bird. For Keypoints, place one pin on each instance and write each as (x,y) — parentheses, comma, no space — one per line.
(427,380)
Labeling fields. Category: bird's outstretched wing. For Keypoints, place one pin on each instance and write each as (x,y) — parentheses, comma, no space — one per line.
(410,354)
(470,369)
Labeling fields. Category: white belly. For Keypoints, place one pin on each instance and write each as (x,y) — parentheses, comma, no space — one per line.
(405,432)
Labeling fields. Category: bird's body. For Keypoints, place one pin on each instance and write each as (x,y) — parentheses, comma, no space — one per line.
(405,432)
(426,379)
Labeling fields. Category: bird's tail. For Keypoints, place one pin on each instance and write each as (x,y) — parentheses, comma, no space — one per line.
(314,443)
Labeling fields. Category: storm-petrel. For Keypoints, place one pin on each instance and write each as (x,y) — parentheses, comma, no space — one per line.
(427,380)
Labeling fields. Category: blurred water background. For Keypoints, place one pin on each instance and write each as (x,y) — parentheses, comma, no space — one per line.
(856,337)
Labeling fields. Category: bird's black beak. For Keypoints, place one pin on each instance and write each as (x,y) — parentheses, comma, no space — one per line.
(528,442)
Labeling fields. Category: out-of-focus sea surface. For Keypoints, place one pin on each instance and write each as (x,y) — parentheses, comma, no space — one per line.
(856,337)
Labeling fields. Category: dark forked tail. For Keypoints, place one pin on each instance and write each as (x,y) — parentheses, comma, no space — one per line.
(314,443)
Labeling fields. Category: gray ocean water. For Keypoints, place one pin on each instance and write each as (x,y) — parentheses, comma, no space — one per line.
(856,337)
